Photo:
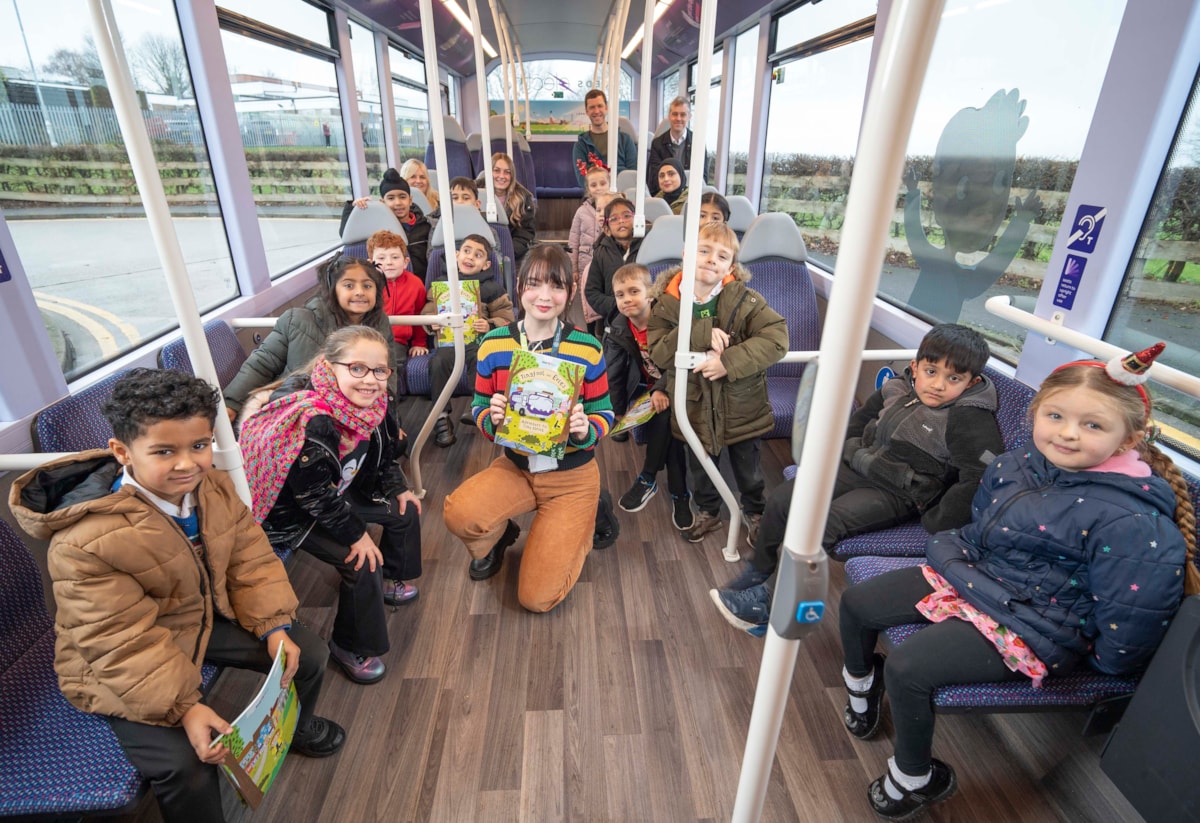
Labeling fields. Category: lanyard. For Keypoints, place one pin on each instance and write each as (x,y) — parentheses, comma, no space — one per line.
(554,346)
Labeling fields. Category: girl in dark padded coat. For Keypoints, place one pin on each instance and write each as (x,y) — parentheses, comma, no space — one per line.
(321,461)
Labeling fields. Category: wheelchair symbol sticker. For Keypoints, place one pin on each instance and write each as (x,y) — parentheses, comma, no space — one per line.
(882,376)
(1085,231)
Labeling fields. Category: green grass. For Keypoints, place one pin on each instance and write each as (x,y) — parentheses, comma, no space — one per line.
(1154,269)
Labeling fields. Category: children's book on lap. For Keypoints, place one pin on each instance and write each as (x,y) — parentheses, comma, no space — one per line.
(542,389)
(469,295)
(261,736)
(641,411)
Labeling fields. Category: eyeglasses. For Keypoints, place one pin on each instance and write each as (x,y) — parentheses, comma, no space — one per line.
(620,217)
(361,369)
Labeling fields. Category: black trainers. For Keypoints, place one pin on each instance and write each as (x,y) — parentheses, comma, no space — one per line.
(681,512)
(490,563)
(942,784)
(620,437)
(607,528)
(865,725)
(318,738)
(639,494)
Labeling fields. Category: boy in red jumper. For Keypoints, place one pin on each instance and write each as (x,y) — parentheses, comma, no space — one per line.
(405,292)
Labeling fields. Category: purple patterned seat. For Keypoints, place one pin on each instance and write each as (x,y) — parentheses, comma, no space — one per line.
(56,760)
(908,539)
(773,251)
(75,423)
(227,352)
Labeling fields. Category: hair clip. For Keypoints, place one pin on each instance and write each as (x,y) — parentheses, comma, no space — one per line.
(1152,433)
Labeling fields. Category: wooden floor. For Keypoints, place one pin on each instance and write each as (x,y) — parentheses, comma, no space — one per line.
(629,702)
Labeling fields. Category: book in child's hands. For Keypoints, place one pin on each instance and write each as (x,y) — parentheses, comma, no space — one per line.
(469,295)
(641,411)
(542,389)
(261,736)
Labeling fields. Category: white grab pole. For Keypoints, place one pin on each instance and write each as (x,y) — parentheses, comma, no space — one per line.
(685,359)
(512,70)
(525,89)
(614,97)
(485,126)
(504,71)
(1001,306)
(900,71)
(166,241)
(429,43)
(639,214)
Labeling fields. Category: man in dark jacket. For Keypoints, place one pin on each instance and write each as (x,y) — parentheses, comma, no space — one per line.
(918,446)
(674,142)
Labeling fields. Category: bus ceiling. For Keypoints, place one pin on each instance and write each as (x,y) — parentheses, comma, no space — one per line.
(571,28)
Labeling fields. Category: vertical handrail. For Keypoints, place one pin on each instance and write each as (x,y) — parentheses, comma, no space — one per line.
(512,83)
(485,125)
(498,24)
(166,241)
(639,214)
(685,359)
(614,85)
(438,126)
(525,89)
(903,58)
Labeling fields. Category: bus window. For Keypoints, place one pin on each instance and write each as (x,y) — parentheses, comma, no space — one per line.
(70,201)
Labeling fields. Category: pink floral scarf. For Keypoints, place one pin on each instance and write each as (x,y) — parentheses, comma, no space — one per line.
(271,440)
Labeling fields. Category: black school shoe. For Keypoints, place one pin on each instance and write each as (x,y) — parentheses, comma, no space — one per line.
(607,528)
(318,738)
(443,432)
(490,563)
(865,725)
(942,784)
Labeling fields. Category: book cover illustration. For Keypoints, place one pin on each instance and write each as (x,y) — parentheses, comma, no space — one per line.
(261,736)
(641,411)
(542,389)
(469,294)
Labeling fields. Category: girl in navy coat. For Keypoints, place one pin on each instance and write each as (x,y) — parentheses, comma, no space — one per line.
(1079,552)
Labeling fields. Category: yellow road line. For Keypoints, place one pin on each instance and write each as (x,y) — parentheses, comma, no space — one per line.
(108,343)
(127,329)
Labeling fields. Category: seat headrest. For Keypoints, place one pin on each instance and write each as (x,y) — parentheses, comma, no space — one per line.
(362,223)
(773,235)
(663,242)
(474,141)
(421,201)
(741,212)
(501,212)
(496,125)
(626,179)
(663,125)
(656,207)
(625,125)
(467,220)
(454,132)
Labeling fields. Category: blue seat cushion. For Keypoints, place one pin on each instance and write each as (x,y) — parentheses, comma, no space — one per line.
(417,378)
(55,758)
(227,352)
(905,540)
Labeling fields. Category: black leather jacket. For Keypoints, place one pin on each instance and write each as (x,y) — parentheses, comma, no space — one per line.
(309,497)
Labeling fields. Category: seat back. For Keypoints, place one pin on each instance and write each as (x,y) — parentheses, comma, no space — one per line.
(1012,408)
(76,423)
(625,126)
(421,201)
(662,247)
(467,221)
(23,616)
(773,251)
(227,352)
(554,169)
(656,207)
(457,158)
(626,180)
(362,223)
(741,213)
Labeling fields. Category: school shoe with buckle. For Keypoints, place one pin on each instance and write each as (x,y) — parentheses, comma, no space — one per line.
(318,737)
(443,433)
(639,494)
(490,563)
(359,668)
(396,592)
(681,512)
(864,725)
(748,610)
(702,524)
(942,784)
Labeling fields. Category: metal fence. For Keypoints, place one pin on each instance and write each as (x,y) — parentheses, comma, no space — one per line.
(23,124)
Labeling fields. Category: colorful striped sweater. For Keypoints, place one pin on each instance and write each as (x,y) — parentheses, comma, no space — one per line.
(491,376)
